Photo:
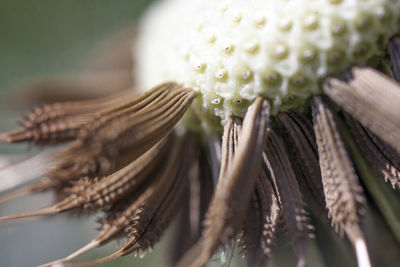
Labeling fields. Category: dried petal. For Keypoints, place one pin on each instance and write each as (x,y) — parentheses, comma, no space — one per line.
(371,98)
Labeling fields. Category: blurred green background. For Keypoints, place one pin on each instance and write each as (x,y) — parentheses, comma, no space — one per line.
(44,37)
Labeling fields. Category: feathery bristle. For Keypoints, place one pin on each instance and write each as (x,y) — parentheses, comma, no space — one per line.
(295,219)
(15,174)
(154,220)
(261,222)
(93,244)
(344,196)
(303,153)
(196,201)
(124,133)
(154,214)
(61,122)
(87,196)
(388,167)
(39,186)
(122,213)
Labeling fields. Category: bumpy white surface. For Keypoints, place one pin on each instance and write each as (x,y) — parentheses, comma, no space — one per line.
(233,50)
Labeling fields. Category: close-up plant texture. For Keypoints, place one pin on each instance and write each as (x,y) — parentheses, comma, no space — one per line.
(253,127)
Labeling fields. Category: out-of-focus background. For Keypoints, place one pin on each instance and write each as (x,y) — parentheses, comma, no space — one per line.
(39,38)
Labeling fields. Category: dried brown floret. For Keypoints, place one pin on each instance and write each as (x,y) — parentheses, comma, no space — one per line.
(155,208)
(239,167)
(297,131)
(344,195)
(127,130)
(61,122)
(88,195)
(261,223)
(294,217)
(195,203)
(378,154)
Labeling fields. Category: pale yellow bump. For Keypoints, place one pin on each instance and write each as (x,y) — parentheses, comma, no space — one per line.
(285,24)
(224,8)
(211,38)
(238,101)
(298,80)
(186,56)
(260,20)
(244,74)
(335,56)
(363,22)
(216,101)
(309,54)
(281,51)
(229,48)
(272,81)
(311,22)
(271,77)
(221,74)
(338,27)
(252,46)
(237,17)
(361,49)
(199,27)
(200,67)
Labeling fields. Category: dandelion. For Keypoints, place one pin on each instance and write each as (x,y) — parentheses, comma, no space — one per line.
(255,119)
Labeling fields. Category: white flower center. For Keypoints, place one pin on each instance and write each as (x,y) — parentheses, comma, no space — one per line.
(232,51)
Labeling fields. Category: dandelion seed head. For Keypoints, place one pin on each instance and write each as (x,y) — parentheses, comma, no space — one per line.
(224,68)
